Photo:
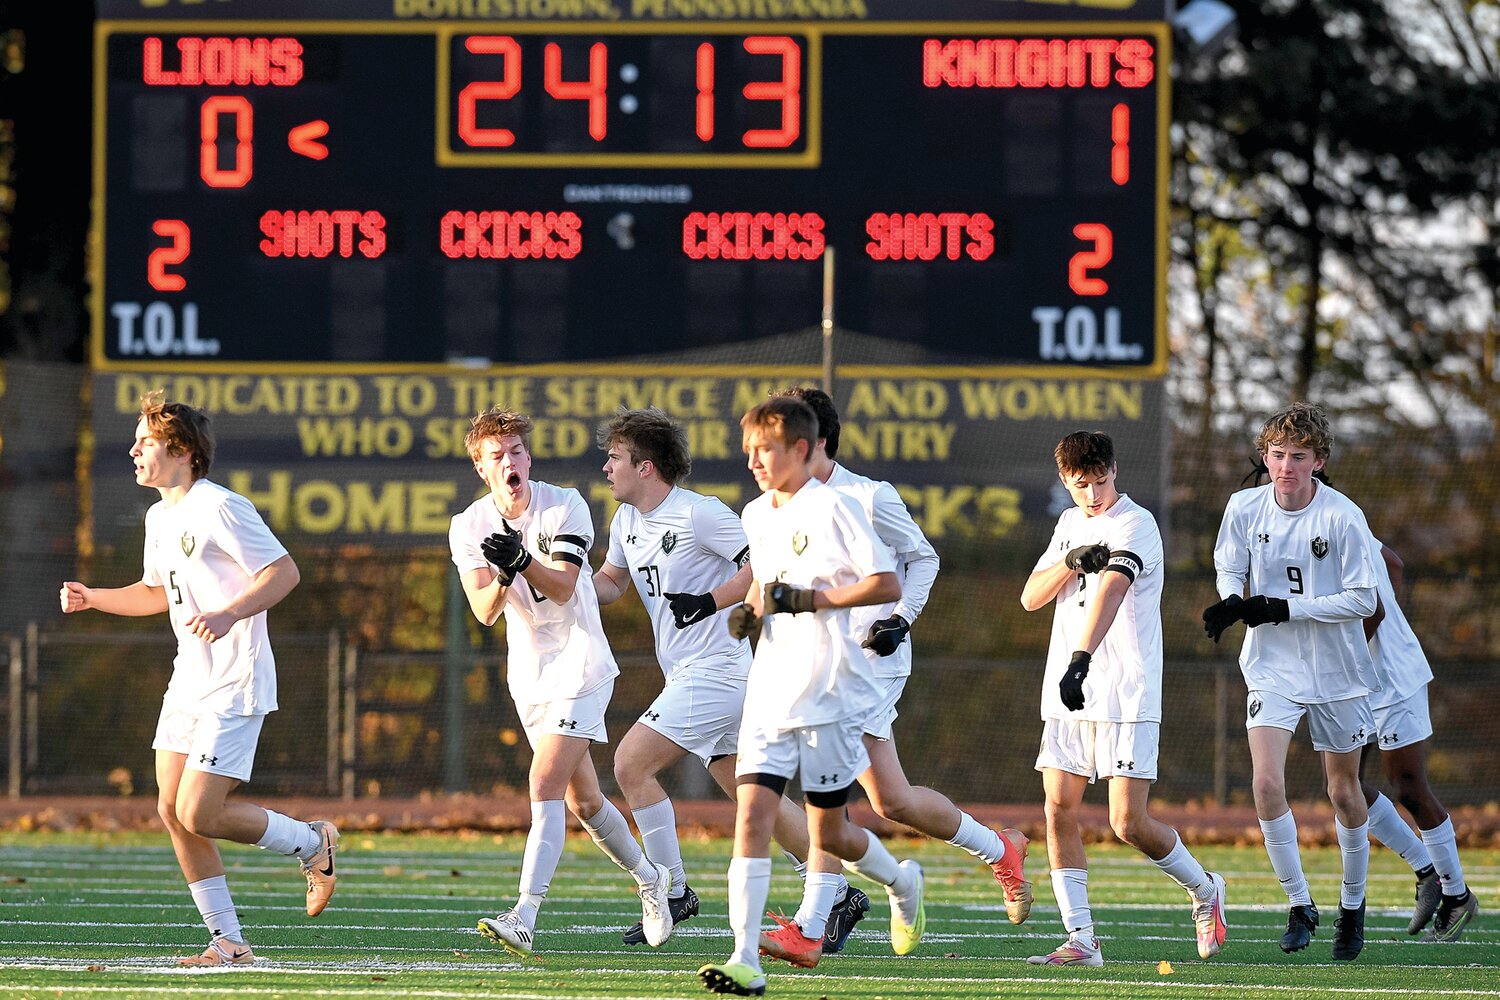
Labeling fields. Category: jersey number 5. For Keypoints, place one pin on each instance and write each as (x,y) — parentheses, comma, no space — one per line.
(172,582)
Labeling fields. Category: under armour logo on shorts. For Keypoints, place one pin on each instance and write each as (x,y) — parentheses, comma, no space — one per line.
(827,779)
(653,716)
(567,723)
(1390,738)
(1125,765)
(204,758)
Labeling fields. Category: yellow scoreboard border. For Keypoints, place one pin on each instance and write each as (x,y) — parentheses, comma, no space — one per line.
(809,159)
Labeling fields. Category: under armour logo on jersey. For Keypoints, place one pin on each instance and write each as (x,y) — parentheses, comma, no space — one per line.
(1262,537)
(827,779)
(1319,547)
(629,539)
(653,716)
(567,723)
(204,758)
(1124,765)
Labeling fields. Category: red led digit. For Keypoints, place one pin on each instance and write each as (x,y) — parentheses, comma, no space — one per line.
(1119,156)
(705,80)
(489,90)
(244,146)
(787,90)
(1085,261)
(591,90)
(163,257)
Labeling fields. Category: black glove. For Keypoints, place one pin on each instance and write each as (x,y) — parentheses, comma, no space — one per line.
(1260,610)
(690,609)
(783,598)
(885,635)
(1222,615)
(1071,686)
(1087,558)
(743,622)
(505,550)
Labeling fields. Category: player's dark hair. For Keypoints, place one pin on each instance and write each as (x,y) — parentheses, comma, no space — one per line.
(826,412)
(1085,453)
(184,429)
(1303,425)
(787,417)
(649,435)
(497,423)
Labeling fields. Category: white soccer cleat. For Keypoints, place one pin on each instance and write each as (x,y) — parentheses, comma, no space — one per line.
(509,930)
(1208,916)
(318,867)
(908,914)
(1076,950)
(656,907)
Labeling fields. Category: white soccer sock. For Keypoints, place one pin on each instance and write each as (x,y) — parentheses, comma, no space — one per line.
(612,834)
(1443,846)
(1181,867)
(1387,826)
(818,898)
(658,825)
(1071,887)
(211,896)
(1354,844)
(544,847)
(288,836)
(749,886)
(1286,859)
(879,865)
(978,839)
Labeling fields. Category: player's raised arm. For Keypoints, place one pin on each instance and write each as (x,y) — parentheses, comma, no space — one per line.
(135,601)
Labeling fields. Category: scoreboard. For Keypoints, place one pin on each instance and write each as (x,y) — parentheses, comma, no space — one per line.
(409,184)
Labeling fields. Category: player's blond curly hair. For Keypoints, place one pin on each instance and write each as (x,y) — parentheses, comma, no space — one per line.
(184,429)
(496,423)
(1302,424)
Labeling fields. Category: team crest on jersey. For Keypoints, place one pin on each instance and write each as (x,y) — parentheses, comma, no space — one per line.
(1254,707)
(1320,547)
(668,543)
(799,542)
(189,543)
(544,544)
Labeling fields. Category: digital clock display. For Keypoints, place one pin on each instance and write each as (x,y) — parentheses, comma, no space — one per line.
(535,192)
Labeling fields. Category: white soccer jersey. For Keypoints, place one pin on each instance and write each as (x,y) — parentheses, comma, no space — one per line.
(687,544)
(1400,662)
(916,563)
(554,652)
(808,668)
(1318,559)
(205,551)
(1124,682)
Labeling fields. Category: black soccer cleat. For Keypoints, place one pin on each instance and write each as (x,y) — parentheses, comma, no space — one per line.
(842,918)
(1301,925)
(1429,891)
(1349,933)
(682,907)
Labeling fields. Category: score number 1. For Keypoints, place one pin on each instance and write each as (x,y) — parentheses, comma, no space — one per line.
(786,89)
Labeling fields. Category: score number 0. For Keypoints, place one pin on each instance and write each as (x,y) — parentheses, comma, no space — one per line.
(786,90)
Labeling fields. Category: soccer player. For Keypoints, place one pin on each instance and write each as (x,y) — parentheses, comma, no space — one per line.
(1101,693)
(1402,726)
(559,665)
(881,631)
(813,556)
(688,553)
(215,568)
(1304,549)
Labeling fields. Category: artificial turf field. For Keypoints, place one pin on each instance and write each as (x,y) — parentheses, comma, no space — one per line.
(93,915)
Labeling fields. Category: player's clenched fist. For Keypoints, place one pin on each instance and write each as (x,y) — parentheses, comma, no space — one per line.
(783,598)
(74,596)
(1087,558)
(743,622)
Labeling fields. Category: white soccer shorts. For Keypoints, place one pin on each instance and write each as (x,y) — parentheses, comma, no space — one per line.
(1404,723)
(829,757)
(582,716)
(883,716)
(700,712)
(1100,749)
(217,744)
(1335,726)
